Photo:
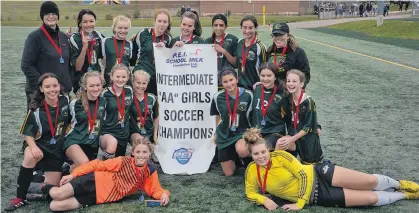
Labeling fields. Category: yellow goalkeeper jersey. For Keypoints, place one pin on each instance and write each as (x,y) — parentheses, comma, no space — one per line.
(287,179)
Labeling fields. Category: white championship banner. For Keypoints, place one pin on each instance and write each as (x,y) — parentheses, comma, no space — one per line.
(186,82)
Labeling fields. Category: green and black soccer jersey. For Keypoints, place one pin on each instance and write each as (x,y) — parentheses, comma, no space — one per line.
(94,48)
(229,44)
(224,135)
(36,125)
(135,124)
(275,118)
(291,60)
(256,55)
(110,53)
(143,52)
(308,146)
(195,40)
(112,124)
(80,129)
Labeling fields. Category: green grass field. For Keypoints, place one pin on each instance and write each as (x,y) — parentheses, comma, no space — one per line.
(404,29)
(368,110)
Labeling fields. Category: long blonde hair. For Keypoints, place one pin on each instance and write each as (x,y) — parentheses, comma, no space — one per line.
(120,18)
(82,95)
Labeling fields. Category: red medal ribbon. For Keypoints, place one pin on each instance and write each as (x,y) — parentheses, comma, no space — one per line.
(121,109)
(120,54)
(92,121)
(297,110)
(89,54)
(266,177)
(262,105)
(57,108)
(52,41)
(282,54)
(244,53)
(155,38)
(142,118)
(221,43)
(236,102)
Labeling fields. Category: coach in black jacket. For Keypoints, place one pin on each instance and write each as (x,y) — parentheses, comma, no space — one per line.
(286,53)
(46,50)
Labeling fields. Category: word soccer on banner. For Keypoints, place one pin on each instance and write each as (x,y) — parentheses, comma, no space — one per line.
(186,82)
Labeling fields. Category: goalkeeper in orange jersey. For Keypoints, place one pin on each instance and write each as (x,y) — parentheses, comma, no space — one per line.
(108,181)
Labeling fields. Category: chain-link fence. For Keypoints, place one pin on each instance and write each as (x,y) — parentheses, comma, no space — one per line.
(15,11)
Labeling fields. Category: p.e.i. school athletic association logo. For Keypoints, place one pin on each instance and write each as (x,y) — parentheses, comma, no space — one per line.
(183,155)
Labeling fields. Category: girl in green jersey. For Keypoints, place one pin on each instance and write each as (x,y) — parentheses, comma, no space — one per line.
(115,128)
(232,107)
(117,49)
(87,112)
(143,53)
(85,47)
(190,29)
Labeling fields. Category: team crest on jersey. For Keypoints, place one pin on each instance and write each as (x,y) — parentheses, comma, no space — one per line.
(100,110)
(228,42)
(127,100)
(277,98)
(242,106)
(64,111)
(251,55)
(126,50)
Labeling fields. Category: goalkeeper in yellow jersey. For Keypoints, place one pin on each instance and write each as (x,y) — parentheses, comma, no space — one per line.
(280,174)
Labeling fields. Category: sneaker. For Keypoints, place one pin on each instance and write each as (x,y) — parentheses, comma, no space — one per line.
(16,203)
(408,186)
(411,195)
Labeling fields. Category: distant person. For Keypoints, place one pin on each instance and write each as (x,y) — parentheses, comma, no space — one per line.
(188,9)
(323,184)
(400,6)
(375,9)
(182,10)
(46,50)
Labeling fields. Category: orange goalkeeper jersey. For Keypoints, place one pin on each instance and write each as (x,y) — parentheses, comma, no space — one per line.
(119,177)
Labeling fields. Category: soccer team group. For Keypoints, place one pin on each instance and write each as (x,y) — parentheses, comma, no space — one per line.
(265,119)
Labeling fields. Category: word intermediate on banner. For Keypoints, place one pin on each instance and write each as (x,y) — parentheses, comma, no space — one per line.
(186,82)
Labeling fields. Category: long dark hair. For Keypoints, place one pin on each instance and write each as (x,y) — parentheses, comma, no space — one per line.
(37,98)
(216,17)
(194,15)
(81,14)
(274,68)
(252,19)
